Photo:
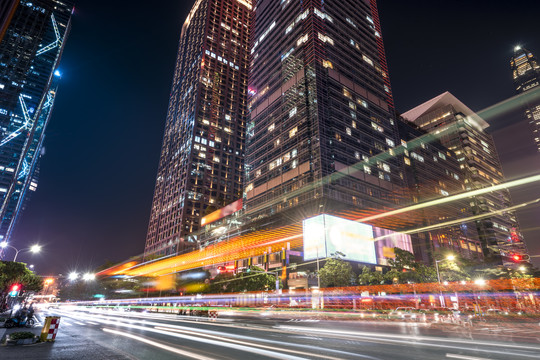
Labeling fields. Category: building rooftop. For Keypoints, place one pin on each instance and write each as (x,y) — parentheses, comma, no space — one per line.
(444,99)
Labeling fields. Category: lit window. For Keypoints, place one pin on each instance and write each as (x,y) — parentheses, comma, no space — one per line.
(293,131)
(292,112)
(368,60)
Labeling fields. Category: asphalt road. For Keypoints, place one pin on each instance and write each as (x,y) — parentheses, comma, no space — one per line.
(120,335)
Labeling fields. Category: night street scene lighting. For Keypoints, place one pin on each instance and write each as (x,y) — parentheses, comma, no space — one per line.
(308,188)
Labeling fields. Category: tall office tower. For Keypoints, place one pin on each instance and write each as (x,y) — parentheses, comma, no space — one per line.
(320,105)
(432,171)
(7,9)
(30,52)
(498,231)
(526,74)
(202,156)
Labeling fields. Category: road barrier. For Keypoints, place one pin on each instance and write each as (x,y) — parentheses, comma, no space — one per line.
(212,314)
(50,328)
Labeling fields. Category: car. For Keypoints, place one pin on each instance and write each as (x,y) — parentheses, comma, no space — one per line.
(404,313)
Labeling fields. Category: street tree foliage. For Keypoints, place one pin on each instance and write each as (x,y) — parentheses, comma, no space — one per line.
(370,277)
(254,280)
(337,272)
(12,273)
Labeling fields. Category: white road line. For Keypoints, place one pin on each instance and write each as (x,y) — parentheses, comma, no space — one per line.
(159,345)
(91,322)
(464,357)
(79,323)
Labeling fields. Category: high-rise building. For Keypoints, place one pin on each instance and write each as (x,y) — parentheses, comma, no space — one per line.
(30,49)
(498,230)
(322,122)
(432,171)
(526,75)
(202,158)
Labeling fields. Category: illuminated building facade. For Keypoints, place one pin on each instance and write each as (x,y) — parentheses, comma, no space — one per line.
(526,75)
(30,51)
(202,157)
(479,162)
(320,105)
(432,171)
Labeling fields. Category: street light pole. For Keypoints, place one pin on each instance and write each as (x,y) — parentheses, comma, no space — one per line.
(450,258)
(34,248)
(318,274)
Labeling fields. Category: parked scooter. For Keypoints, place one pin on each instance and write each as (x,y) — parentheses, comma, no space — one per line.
(26,322)
(22,318)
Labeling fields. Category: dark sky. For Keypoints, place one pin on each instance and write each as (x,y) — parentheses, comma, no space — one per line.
(103,143)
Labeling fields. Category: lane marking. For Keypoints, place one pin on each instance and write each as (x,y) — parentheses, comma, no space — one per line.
(79,323)
(91,322)
(159,345)
(464,357)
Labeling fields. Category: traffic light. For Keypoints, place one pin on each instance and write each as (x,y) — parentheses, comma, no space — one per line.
(14,291)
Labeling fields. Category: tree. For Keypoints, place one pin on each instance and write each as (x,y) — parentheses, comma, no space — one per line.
(255,280)
(336,272)
(17,273)
(370,277)
(405,269)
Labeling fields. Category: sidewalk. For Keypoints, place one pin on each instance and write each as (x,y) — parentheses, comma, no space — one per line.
(69,345)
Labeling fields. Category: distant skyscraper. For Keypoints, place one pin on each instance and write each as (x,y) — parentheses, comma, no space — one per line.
(476,153)
(432,171)
(202,157)
(526,74)
(34,34)
(321,105)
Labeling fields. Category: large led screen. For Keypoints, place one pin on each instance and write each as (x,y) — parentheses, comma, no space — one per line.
(324,235)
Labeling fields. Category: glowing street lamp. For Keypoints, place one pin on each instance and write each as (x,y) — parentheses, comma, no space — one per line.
(449,258)
(89,277)
(33,249)
(73,276)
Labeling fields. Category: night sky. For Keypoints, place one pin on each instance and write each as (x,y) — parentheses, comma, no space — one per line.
(103,143)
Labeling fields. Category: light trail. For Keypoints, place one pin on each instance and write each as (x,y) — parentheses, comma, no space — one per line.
(463,220)
(245,342)
(217,334)
(416,340)
(272,354)
(467,194)
(158,345)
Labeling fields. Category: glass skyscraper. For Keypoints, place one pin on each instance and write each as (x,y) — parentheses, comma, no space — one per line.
(322,126)
(477,156)
(202,159)
(526,76)
(33,38)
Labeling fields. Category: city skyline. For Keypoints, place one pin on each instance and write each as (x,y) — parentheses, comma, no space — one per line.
(126,239)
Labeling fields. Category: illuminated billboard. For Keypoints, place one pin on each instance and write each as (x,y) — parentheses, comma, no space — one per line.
(324,235)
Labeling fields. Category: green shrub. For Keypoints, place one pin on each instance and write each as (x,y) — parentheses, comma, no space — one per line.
(21,335)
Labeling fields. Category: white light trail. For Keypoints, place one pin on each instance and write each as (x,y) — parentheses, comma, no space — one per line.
(158,345)
(468,194)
